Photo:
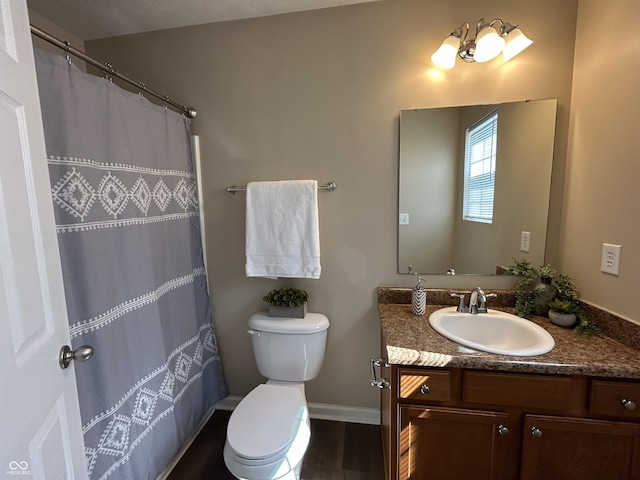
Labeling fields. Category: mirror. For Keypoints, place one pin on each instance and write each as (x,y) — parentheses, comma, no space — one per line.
(433,237)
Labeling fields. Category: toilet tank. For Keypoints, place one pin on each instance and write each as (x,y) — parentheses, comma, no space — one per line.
(289,349)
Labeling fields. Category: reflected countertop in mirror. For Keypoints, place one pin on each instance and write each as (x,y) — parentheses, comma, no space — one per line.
(434,236)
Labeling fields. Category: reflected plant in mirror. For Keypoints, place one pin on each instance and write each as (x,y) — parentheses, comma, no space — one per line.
(474,185)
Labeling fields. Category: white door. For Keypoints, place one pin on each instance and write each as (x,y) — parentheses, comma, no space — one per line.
(40,428)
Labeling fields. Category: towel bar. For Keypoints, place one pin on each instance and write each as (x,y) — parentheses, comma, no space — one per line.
(331,186)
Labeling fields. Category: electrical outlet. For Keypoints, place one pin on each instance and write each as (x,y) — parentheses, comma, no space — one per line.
(525,241)
(404,219)
(610,261)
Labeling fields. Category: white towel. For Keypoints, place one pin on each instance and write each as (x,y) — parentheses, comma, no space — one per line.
(282,233)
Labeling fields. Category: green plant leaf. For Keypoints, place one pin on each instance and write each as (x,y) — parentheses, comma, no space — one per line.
(286,297)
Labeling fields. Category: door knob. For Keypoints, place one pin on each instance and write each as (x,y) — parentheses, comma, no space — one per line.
(80,354)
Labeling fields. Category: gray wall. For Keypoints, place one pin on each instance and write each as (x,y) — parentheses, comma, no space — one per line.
(317,95)
(602,194)
(428,189)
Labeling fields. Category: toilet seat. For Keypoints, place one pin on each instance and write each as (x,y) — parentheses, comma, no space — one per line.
(270,423)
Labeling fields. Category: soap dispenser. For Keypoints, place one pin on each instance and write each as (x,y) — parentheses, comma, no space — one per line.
(419,299)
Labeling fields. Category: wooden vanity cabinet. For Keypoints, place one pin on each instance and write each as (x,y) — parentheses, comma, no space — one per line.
(441,424)
(576,448)
(587,448)
(451,443)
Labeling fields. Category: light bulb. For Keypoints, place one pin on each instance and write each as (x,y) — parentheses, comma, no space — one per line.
(516,41)
(488,45)
(445,56)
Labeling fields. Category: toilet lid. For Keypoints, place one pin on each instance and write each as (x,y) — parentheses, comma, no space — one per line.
(311,323)
(266,421)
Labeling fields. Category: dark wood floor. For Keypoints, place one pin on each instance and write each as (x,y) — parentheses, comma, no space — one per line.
(337,451)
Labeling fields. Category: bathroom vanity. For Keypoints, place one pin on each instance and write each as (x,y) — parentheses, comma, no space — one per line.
(449,412)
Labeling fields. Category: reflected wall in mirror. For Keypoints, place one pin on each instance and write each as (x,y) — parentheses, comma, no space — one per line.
(436,238)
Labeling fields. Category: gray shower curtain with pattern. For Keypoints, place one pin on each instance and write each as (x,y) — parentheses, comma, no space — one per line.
(126,206)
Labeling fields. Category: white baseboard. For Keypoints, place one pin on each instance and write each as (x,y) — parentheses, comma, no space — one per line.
(344,413)
(228,403)
(322,411)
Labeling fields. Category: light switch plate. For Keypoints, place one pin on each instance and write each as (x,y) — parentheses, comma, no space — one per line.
(404,219)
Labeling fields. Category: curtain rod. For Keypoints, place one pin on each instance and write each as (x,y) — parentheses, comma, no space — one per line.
(109,70)
(331,186)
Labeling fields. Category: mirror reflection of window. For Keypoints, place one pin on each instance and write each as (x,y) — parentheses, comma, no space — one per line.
(431,188)
(480,170)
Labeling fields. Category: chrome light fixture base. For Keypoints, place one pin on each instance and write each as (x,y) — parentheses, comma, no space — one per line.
(467,50)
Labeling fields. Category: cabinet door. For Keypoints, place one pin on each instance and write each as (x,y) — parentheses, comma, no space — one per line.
(570,448)
(451,444)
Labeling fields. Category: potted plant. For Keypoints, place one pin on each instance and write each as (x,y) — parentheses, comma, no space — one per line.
(287,302)
(563,312)
(527,278)
(545,291)
(566,289)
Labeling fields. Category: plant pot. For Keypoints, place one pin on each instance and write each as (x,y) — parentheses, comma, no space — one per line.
(562,319)
(543,293)
(288,312)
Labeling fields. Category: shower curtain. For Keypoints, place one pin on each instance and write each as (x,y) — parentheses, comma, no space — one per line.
(125,199)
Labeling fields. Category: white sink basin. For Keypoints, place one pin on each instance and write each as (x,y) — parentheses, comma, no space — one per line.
(494,332)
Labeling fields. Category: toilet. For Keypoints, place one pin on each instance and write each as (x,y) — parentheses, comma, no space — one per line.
(269,431)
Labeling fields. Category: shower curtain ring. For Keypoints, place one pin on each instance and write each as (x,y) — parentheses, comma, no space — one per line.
(67,49)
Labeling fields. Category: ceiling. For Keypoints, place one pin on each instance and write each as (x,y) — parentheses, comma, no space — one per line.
(92,19)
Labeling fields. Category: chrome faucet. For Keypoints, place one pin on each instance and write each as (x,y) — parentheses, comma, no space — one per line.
(461,308)
(473,301)
(477,294)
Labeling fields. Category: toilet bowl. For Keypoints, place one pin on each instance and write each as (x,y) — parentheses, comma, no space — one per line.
(269,431)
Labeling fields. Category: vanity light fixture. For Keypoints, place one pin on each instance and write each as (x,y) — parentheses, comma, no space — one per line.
(491,38)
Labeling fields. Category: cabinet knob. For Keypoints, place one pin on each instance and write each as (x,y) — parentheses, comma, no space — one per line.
(424,389)
(536,432)
(629,404)
(502,430)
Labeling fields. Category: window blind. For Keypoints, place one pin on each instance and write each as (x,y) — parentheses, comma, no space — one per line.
(480,170)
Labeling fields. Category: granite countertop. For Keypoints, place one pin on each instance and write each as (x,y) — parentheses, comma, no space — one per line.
(410,340)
